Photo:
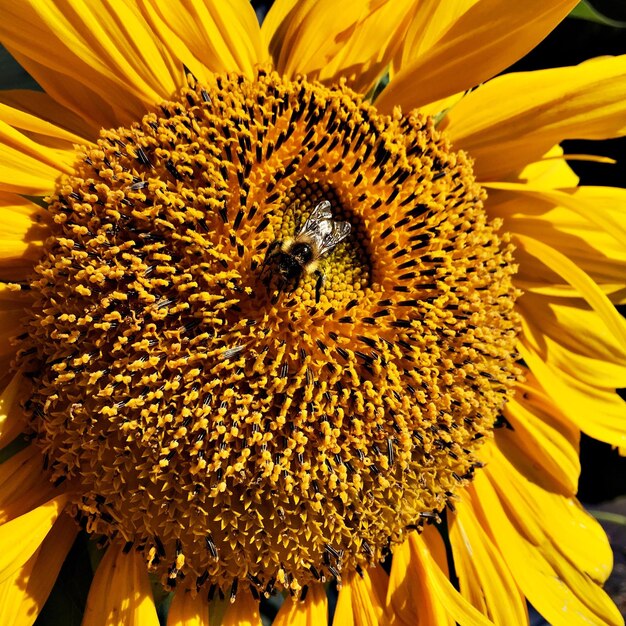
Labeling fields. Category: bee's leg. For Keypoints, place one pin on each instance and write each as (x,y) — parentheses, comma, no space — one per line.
(270,250)
(321,279)
(279,291)
(265,267)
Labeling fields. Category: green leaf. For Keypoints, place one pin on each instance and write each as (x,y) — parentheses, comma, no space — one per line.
(584,11)
(13,75)
(609,516)
(378,87)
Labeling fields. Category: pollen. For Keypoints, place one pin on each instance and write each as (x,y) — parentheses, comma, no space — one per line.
(235,438)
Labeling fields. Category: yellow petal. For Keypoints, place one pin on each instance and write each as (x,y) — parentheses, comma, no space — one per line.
(553,518)
(573,339)
(609,199)
(327,40)
(583,223)
(10,327)
(582,385)
(557,289)
(550,171)
(580,372)
(209,36)
(96,111)
(484,577)
(22,597)
(555,551)
(602,206)
(430,20)
(106,46)
(120,592)
(361,601)
(514,119)
(409,599)
(343,610)
(598,412)
(217,610)
(43,106)
(12,419)
(590,158)
(437,108)
(244,611)
(573,275)
(368,597)
(276,22)
(23,535)
(452,46)
(420,593)
(542,438)
(25,226)
(312,612)
(436,581)
(187,610)
(27,167)
(23,484)
(34,125)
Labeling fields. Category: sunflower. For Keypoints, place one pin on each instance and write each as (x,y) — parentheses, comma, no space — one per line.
(313,304)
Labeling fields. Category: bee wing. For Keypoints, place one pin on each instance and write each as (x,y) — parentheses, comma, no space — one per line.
(320,214)
(321,211)
(338,232)
(322,230)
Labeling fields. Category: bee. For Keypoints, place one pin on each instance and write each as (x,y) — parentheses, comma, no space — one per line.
(290,258)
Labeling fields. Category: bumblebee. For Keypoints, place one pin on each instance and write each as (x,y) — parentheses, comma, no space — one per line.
(290,258)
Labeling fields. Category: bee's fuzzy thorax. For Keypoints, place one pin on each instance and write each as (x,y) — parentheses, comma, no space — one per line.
(286,244)
(310,267)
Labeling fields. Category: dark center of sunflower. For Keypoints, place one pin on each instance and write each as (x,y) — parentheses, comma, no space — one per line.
(234,428)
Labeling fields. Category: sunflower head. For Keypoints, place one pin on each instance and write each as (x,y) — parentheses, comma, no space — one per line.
(234,435)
